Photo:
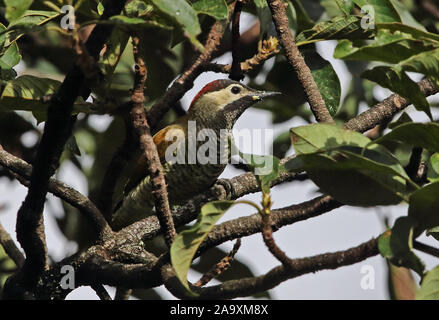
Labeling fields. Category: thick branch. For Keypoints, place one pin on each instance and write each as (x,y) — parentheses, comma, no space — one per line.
(385,109)
(296,60)
(249,225)
(224,190)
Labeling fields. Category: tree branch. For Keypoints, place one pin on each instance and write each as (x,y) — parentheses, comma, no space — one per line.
(266,50)
(220,267)
(235,71)
(426,248)
(58,127)
(249,225)
(248,286)
(10,248)
(101,292)
(385,109)
(63,191)
(147,145)
(296,60)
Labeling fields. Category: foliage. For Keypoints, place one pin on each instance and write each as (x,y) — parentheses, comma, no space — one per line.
(354,169)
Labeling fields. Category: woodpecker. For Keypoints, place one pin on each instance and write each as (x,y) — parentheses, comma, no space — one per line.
(194,150)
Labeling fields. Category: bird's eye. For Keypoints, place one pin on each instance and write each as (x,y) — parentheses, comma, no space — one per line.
(235,90)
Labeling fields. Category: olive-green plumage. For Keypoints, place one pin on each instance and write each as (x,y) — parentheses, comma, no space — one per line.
(193,150)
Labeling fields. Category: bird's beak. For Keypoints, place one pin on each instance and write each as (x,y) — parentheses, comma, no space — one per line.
(264,94)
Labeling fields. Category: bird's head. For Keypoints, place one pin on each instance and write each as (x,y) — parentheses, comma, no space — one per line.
(223,101)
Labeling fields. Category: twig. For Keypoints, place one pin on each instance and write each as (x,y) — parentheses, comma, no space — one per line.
(235,71)
(431,8)
(414,164)
(266,50)
(10,248)
(186,81)
(220,267)
(267,236)
(248,286)
(249,225)
(426,248)
(248,41)
(296,60)
(147,145)
(101,292)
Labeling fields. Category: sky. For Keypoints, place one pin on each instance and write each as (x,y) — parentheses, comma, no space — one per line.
(340,229)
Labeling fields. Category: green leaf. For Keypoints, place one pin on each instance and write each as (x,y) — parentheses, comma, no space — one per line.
(100,8)
(28,22)
(266,169)
(215,8)
(384,10)
(397,80)
(397,244)
(114,49)
(265,21)
(302,18)
(433,168)
(338,163)
(130,23)
(261,3)
(406,17)
(429,289)
(414,32)
(26,93)
(15,8)
(186,243)
(335,29)
(326,79)
(424,207)
(317,137)
(281,77)
(337,7)
(183,13)
(9,58)
(390,47)
(424,135)
(137,8)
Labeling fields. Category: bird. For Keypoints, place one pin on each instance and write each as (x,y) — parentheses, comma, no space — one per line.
(194,150)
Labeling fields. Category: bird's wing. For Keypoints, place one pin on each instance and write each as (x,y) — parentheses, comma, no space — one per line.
(163,139)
